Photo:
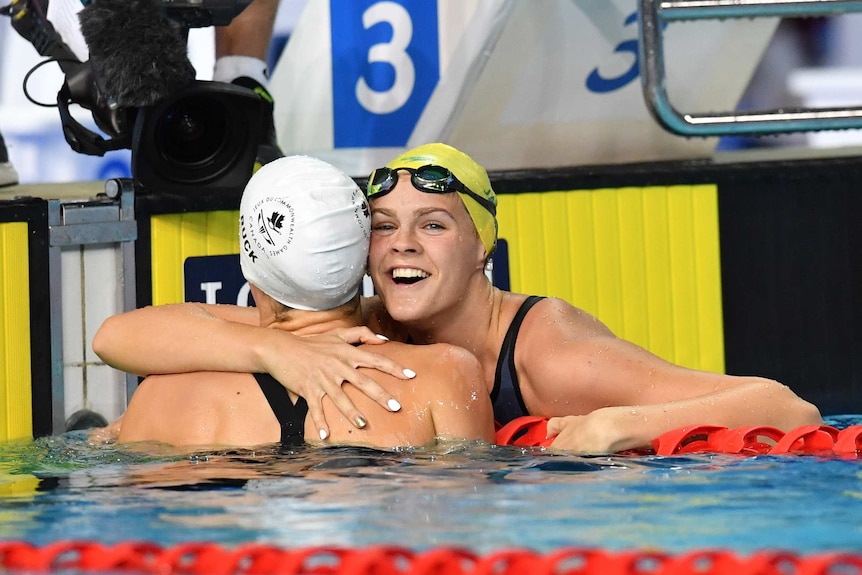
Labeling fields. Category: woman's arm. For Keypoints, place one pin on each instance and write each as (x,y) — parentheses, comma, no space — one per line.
(612,429)
(624,396)
(180,338)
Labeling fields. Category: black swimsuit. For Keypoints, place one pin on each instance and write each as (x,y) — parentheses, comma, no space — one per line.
(291,416)
(506,395)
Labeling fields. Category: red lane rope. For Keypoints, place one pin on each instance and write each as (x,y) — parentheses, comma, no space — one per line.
(823,440)
(258,559)
(525,431)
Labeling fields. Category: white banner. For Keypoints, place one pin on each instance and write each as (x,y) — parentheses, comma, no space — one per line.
(515,83)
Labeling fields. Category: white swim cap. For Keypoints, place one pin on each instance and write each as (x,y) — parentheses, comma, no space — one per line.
(304,228)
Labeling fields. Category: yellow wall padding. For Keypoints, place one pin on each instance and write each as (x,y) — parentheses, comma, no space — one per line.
(645,261)
(175,237)
(16,413)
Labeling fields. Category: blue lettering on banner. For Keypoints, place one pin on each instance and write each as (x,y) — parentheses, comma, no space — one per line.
(385,66)
(601,84)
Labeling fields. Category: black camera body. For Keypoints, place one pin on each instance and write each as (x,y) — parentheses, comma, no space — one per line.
(184,134)
(204,136)
(202,14)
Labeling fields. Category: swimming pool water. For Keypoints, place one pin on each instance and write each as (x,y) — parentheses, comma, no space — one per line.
(479,497)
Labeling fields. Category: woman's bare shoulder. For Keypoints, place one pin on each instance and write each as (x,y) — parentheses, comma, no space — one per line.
(424,350)
(557,312)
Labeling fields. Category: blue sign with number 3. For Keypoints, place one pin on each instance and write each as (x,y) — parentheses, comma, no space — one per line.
(385,66)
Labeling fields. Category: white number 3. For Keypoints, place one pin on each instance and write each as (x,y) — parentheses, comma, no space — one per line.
(392,52)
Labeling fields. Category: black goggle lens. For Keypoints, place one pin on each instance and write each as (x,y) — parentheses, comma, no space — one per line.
(431,179)
(435,178)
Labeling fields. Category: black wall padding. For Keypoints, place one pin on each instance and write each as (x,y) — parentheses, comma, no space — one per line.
(791,243)
(791,262)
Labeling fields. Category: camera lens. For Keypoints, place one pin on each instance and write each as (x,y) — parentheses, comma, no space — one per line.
(193,131)
(202,139)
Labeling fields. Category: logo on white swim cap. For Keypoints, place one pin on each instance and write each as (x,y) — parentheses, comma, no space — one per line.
(274,223)
(304,232)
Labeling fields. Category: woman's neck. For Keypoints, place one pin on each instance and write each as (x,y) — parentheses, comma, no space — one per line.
(301,322)
(471,323)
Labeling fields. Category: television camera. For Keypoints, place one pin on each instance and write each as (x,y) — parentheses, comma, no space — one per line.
(185,135)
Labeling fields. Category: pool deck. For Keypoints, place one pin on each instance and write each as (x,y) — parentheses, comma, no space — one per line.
(72,191)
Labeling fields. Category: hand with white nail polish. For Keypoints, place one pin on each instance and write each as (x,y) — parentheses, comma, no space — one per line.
(328,362)
(444,398)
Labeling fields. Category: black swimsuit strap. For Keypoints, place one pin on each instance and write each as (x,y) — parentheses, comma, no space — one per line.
(506,359)
(291,416)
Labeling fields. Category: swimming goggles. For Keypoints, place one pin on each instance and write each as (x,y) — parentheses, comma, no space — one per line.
(430,179)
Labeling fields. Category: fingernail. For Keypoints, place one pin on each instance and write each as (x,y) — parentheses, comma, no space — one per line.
(383,337)
(409,373)
(360,421)
(323,434)
(393,405)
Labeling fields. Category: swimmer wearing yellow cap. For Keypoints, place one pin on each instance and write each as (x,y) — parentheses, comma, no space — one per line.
(438,169)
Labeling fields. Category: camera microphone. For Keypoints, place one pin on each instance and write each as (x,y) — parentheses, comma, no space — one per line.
(139,55)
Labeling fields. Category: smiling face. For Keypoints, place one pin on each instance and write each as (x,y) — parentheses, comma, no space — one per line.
(425,252)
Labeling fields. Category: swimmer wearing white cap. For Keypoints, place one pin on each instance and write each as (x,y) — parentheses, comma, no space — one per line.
(304,229)
(304,232)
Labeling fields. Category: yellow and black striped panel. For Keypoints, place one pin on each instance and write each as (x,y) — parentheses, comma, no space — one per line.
(644,260)
(775,295)
(16,416)
(176,237)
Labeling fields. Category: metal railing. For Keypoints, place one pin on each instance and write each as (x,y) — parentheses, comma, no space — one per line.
(655,14)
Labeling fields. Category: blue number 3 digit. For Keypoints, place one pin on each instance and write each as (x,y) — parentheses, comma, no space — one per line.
(599,84)
(385,66)
(394,53)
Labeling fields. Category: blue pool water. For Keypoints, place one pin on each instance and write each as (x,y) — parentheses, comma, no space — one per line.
(479,497)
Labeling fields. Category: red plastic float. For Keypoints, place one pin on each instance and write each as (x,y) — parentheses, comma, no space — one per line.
(257,559)
(525,431)
(823,440)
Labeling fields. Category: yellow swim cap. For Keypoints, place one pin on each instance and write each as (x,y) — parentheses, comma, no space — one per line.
(471,174)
